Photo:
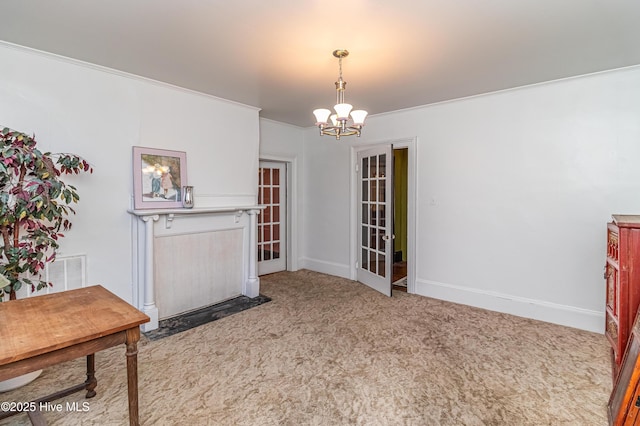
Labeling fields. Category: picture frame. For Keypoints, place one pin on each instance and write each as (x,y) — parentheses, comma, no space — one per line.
(158,178)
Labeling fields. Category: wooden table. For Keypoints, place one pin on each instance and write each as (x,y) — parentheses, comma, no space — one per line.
(41,331)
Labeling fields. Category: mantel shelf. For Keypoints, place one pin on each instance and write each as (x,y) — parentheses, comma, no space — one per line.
(200,210)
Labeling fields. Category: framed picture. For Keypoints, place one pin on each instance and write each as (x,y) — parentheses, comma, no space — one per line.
(158,178)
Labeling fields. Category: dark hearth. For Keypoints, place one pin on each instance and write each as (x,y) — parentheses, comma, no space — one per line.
(177,324)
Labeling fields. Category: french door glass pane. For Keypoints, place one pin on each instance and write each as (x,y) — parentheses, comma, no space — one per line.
(372,261)
(373,238)
(381,268)
(373,198)
(365,236)
(382,170)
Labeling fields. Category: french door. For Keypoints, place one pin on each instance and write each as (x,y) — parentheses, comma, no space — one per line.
(272,221)
(375,217)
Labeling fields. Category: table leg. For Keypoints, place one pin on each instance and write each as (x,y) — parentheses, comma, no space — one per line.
(36,418)
(133,335)
(91,382)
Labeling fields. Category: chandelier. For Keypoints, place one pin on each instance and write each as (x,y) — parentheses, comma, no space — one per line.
(340,123)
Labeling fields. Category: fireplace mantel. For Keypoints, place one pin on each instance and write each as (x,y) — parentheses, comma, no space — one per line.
(189,222)
(171,214)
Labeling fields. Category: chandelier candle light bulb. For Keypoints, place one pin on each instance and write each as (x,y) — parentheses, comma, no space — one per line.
(340,125)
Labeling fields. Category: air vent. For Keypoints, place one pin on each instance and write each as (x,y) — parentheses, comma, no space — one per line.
(66,273)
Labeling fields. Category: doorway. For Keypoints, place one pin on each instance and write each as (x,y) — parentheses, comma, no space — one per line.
(383,223)
(272,222)
(400,192)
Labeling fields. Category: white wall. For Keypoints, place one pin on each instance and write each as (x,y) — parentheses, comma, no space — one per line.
(100,114)
(327,204)
(514,190)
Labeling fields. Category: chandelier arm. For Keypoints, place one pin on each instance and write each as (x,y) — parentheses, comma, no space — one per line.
(338,131)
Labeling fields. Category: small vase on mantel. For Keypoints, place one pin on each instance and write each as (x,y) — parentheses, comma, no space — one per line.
(187,197)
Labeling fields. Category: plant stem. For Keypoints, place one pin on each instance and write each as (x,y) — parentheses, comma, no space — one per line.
(16,225)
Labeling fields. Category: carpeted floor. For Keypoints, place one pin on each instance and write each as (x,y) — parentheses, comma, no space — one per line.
(329,351)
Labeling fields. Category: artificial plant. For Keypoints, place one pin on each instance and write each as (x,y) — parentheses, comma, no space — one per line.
(34,206)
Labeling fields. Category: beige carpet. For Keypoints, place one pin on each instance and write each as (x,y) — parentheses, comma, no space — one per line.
(329,351)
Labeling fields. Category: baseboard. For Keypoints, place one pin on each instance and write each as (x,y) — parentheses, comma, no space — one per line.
(569,316)
(329,268)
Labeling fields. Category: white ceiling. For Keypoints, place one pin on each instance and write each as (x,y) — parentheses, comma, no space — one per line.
(277,54)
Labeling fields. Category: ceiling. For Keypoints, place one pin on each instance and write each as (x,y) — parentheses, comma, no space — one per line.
(277,54)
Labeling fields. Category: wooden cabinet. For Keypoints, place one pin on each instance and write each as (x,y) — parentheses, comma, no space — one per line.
(622,275)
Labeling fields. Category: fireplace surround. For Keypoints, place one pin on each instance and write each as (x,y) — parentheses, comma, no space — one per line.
(186,259)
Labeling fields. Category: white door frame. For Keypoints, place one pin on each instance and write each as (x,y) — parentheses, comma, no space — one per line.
(291,165)
(411,145)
